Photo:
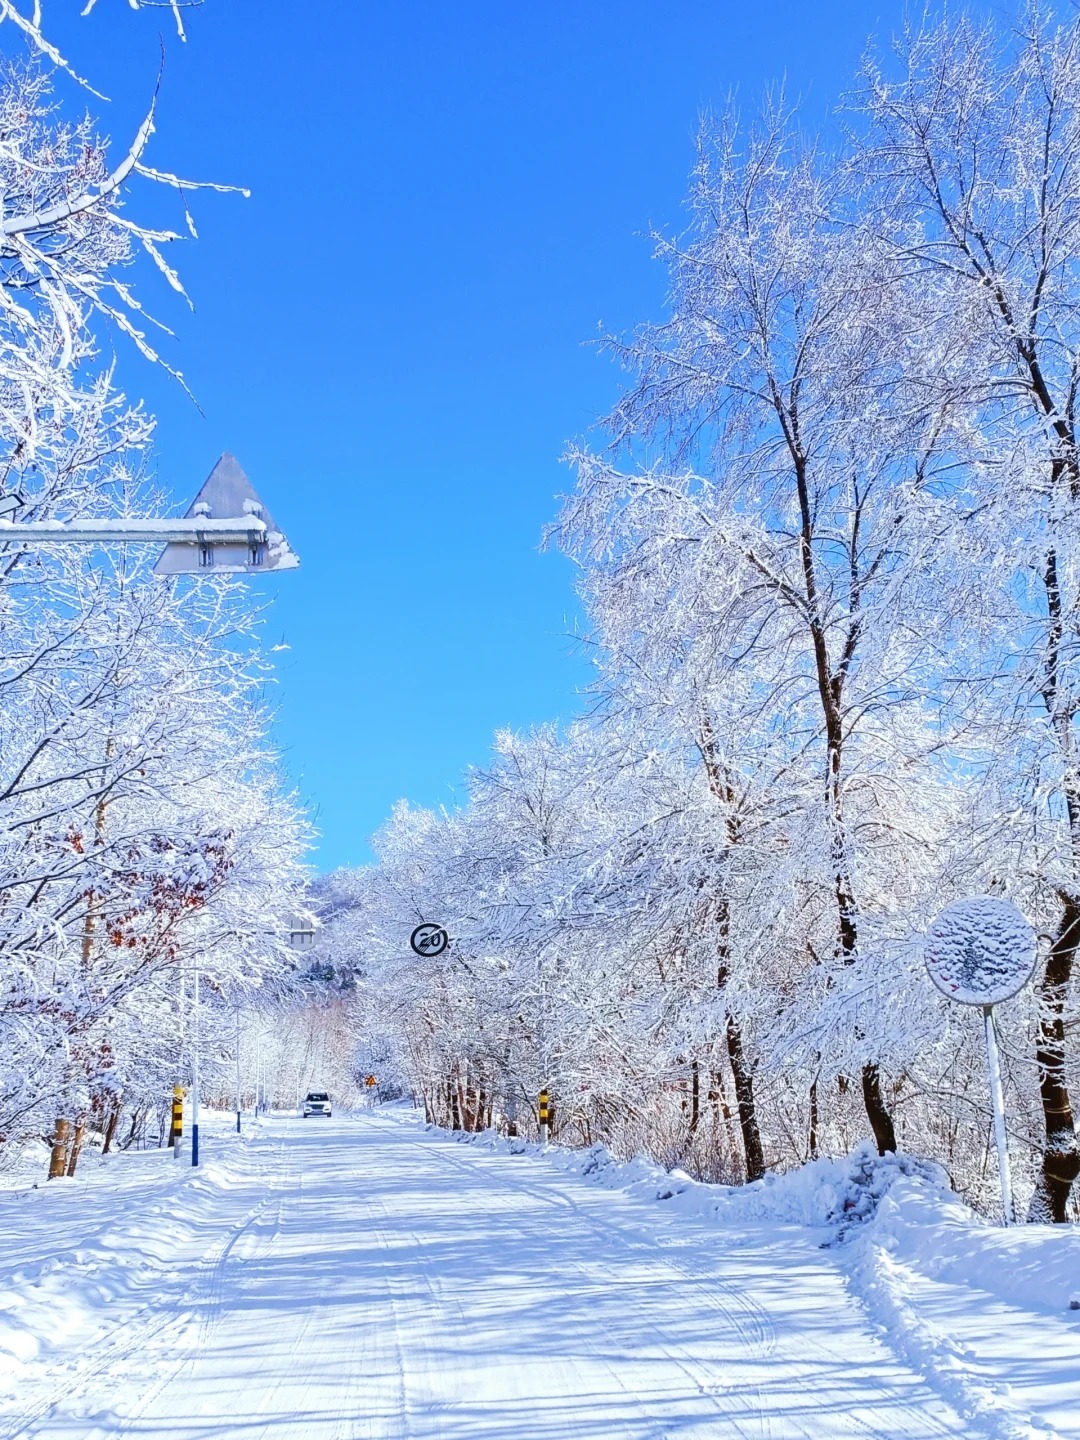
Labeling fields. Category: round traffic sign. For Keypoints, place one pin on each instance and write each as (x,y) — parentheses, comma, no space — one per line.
(980,951)
(429,940)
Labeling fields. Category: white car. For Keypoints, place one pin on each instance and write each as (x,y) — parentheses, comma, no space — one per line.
(316,1102)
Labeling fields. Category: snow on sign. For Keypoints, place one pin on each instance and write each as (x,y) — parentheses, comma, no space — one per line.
(228,495)
(980,951)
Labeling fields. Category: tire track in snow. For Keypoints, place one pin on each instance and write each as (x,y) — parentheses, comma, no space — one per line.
(762,1331)
(657,1429)
(147,1328)
(702,1378)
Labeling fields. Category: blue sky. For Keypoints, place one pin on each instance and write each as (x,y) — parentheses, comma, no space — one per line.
(447,200)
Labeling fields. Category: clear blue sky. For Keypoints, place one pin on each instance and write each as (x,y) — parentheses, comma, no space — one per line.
(447,199)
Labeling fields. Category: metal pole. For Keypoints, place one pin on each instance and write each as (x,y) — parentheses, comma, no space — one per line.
(997,1100)
(195,1076)
(140,530)
(238,1069)
(182,1017)
(544,1116)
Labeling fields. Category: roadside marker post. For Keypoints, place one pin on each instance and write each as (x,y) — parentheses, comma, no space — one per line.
(176,1131)
(544,1115)
(980,952)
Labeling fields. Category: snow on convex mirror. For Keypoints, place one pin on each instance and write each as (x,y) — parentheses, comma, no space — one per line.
(980,951)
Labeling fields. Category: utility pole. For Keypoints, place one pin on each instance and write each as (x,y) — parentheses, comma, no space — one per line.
(195,1074)
(226,531)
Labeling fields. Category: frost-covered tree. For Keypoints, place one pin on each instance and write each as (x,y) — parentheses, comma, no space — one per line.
(142,820)
(974,136)
(780,431)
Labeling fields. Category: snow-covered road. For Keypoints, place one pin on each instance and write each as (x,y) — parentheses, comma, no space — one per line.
(367,1278)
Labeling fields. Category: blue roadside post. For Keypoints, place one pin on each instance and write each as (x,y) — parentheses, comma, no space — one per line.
(195,1075)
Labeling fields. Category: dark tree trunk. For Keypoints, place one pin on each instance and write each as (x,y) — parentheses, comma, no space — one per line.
(830,680)
(133,1131)
(813,1136)
(1061,1156)
(744,1098)
(741,1071)
(877,1112)
(76,1147)
(110,1129)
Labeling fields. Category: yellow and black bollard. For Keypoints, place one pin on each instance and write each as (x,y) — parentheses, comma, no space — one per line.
(176,1130)
(543,1115)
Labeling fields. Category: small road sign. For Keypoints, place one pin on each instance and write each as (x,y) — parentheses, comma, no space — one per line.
(429,940)
(982,951)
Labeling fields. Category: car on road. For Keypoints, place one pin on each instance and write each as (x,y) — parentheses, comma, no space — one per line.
(316,1102)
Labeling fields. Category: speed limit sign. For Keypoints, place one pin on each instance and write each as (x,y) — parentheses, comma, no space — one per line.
(429,940)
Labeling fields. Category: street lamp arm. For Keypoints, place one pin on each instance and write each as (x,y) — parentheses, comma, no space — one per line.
(197,531)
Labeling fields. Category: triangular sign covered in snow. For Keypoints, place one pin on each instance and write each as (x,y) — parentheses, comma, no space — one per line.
(227,495)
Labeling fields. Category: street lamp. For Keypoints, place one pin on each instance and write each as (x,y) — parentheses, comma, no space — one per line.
(227,531)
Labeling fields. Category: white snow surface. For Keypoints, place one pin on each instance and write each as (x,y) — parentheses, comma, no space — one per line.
(369,1277)
(980,951)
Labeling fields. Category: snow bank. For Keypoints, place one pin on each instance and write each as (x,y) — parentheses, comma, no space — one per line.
(836,1194)
(921,1234)
(896,1230)
(1034,1266)
(64,1266)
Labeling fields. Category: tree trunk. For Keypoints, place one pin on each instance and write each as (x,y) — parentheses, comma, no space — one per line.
(740,1070)
(1061,1156)
(695,1098)
(58,1160)
(744,1099)
(133,1133)
(831,688)
(813,1136)
(877,1112)
(511,1110)
(76,1147)
(110,1129)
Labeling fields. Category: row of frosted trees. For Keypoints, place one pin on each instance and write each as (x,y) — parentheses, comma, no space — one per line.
(144,829)
(829,554)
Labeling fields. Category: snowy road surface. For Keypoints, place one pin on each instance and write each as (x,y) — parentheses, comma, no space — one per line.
(367,1278)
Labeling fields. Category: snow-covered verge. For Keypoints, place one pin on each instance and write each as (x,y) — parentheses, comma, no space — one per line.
(73,1275)
(983,1312)
(835,1194)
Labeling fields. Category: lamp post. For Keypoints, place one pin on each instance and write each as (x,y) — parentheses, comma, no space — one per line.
(238,1069)
(227,530)
(195,1074)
